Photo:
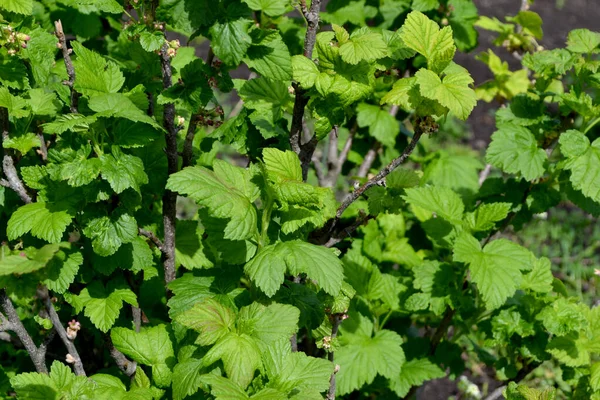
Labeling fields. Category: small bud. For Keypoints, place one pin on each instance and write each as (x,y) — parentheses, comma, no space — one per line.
(336,369)
(597,272)
(12,52)
(24,45)
(180,120)
(291,90)
(70,359)
(22,36)
(72,329)
(58,45)
(327,342)
(444,21)
(175,44)
(69,51)
(171,52)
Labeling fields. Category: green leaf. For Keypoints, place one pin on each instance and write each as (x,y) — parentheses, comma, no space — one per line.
(43,103)
(496,269)
(188,290)
(400,93)
(363,45)
(362,356)
(272,8)
(23,143)
(192,90)
(41,50)
(269,56)
(61,383)
(425,5)
(562,317)
(94,74)
(215,191)
(382,125)
(282,165)
(186,378)
(486,215)
(103,305)
(73,122)
(456,171)
(109,233)
(514,149)
(15,105)
(45,221)
(540,278)
(415,373)
(583,41)
(230,40)
(583,160)
(425,37)
(268,324)
(151,346)
(453,91)
(30,261)
(522,392)
(240,355)
(13,73)
(189,250)
(122,170)
(212,319)
(119,106)
(442,202)
(268,267)
(152,41)
(304,71)
(17,6)
(62,269)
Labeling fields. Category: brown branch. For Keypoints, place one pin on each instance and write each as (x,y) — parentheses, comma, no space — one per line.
(335,326)
(11,322)
(343,233)
(305,151)
(43,151)
(169,197)
(335,167)
(153,238)
(441,330)
(44,295)
(62,41)
(137,317)
(368,161)
(8,163)
(188,153)
(127,366)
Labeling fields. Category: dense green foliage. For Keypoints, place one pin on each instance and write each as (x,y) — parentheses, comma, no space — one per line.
(325,236)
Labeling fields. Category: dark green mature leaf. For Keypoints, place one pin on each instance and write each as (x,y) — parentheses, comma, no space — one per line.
(119,106)
(192,90)
(109,233)
(122,170)
(270,57)
(230,40)
(583,160)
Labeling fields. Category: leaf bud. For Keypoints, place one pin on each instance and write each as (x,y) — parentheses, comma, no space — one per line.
(70,359)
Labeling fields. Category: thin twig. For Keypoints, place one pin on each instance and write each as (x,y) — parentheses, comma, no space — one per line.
(8,163)
(335,168)
(169,197)
(152,238)
(188,153)
(43,151)
(485,173)
(44,295)
(127,366)
(335,326)
(11,322)
(364,168)
(346,232)
(60,34)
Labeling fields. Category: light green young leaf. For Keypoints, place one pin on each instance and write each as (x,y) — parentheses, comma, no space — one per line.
(151,346)
(268,324)
(442,202)
(212,319)
(45,221)
(382,125)
(16,106)
(453,91)
(562,317)
(270,56)
(362,356)
(43,103)
(272,8)
(514,149)
(583,41)
(516,391)
(152,41)
(223,200)
(23,143)
(187,378)
(363,45)
(230,40)
(282,165)
(583,160)
(486,215)
(18,6)
(61,383)
(267,268)
(189,249)
(119,106)
(95,75)
(103,305)
(425,37)
(65,122)
(400,93)
(109,233)
(415,373)
(425,5)
(540,278)
(62,269)
(496,269)
(122,170)
(304,71)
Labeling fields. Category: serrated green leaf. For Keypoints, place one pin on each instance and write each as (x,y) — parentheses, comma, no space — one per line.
(213,190)
(382,125)
(122,171)
(583,41)
(400,93)
(119,106)
(94,74)
(363,45)
(18,6)
(270,56)
(45,221)
(151,346)
(73,122)
(41,50)
(425,37)
(62,269)
(362,356)
(15,105)
(304,71)
(267,268)
(43,103)
(212,319)
(442,202)
(455,171)
(496,269)
(103,305)
(230,40)
(562,317)
(272,8)
(415,373)
(109,233)
(268,324)
(192,90)
(453,91)
(515,150)
(23,143)
(583,160)
(152,41)
(189,249)
(186,378)
(486,216)
(540,278)
(13,73)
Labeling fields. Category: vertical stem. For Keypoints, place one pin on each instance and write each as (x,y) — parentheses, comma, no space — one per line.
(60,34)
(169,197)
(337,320)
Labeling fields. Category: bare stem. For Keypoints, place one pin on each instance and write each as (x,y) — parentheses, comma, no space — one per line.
(44,295)
(169,197)
(127,366)
(152,238)
(60,34)
(11,322)
(335,326)
(8,163)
